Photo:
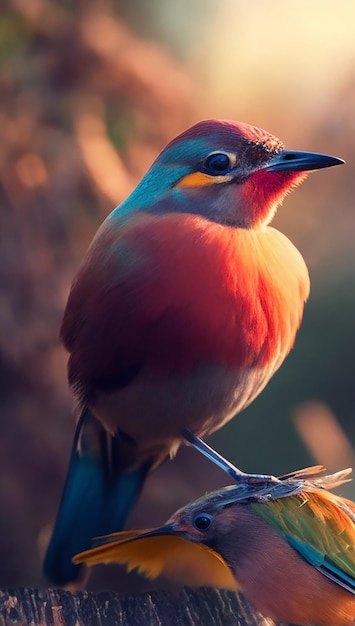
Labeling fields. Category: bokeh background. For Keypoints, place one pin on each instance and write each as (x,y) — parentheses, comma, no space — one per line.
(90,93)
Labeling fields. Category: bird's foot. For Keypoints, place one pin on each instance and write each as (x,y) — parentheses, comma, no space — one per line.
(234,472)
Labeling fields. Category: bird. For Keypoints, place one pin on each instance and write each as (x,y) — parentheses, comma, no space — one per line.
(288,546)
(184,306)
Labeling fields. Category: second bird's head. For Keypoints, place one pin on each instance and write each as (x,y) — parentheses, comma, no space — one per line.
(228,172)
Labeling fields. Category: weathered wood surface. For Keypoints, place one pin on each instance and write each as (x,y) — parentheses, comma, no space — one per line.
(174,607)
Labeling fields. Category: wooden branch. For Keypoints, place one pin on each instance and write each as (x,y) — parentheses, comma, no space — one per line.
(173,607)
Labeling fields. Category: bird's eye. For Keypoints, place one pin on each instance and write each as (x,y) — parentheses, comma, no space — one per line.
(218,163)
(202,521)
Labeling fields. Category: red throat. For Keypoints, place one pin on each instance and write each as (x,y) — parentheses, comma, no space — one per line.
(264,191)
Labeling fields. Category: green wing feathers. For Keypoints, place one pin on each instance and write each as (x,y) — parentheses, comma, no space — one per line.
(321,527)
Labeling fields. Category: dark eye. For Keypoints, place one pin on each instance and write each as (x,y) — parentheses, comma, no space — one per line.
(218,163)
(202,521)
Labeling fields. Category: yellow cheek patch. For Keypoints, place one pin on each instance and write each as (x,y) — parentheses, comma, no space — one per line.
(199,179)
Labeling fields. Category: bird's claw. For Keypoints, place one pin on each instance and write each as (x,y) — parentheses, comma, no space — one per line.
(234,472)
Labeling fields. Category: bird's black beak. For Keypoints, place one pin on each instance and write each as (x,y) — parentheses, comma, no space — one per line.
(296,161)
(167,529)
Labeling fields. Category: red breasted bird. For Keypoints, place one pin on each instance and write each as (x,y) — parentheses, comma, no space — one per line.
(185,305)
(289,546)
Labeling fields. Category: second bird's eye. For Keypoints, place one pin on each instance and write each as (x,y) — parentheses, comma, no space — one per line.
(202,521)
(218,163)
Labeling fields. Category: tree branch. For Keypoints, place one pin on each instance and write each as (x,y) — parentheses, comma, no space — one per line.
(179,607)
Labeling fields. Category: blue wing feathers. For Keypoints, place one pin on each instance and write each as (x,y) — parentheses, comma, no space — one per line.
(323,564)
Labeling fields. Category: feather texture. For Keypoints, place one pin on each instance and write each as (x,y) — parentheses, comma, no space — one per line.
(321,527)
(171,556)
(236,299)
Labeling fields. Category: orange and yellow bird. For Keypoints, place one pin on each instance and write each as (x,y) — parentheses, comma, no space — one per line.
(185,305)
(288,546)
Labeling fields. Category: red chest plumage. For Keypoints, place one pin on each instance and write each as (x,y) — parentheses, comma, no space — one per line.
(176,291)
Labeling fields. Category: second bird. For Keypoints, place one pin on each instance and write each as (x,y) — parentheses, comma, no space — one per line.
(185,305)
(288,546)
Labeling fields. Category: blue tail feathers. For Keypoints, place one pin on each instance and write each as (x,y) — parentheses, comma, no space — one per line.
(97,498)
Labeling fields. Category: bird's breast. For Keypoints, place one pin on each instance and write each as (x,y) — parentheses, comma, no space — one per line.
(172,293)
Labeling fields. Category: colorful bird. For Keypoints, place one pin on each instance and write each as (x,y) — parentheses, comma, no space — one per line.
(289,546)
(185,305)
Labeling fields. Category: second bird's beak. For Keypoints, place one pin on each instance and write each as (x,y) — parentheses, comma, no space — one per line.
(296,161)
(167,529)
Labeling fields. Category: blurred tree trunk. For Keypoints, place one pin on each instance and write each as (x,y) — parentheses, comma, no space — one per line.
(182,606)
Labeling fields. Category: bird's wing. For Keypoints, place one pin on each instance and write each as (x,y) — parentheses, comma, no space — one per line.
(168,555)
(321,527)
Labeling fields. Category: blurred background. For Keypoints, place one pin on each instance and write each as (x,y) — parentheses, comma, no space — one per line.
(90,93)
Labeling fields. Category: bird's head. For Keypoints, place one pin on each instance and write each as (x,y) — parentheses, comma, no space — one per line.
(182,550)
(178,551)
(228,172)
(214,519)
